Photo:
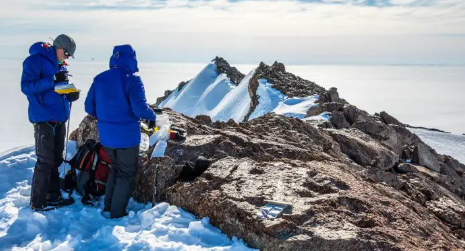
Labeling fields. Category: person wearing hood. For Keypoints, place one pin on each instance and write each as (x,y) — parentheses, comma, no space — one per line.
(44,68)
(117,99)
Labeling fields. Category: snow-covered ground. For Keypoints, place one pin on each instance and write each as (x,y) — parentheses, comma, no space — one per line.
(77,227)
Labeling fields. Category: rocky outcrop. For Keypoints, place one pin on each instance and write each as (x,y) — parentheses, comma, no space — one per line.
(348,189)
(222,66)
(353,114)
(87,130)
(388,119)
(339,120)
(364,150)
(331,95)
(254,99)
(286,82)
(426,156)
(356,182)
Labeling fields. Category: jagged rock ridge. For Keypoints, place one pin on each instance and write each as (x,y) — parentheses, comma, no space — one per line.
(223,66)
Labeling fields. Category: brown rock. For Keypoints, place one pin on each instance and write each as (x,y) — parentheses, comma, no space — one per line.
(87,130)
(333,106)
(205,119)
(426,156)
(353,114)
(339,120)
(406,168)
(449,211)
(337,204)
(388,119)
(156,175)
(314,110)
(286,82)
(385,134)
(364,150)
(223,66)
(332,95)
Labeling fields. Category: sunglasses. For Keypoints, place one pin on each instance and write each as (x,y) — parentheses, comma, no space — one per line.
(67,54)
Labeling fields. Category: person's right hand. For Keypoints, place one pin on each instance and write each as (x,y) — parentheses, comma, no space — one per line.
(61,76)
(151,124)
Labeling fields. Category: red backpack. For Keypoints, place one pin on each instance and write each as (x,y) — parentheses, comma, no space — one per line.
(94,166)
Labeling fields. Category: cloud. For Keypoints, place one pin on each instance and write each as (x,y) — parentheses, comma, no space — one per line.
(248,30)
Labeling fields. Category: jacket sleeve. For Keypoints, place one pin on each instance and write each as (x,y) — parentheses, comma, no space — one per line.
(138,101)
(31,82)
(90,101)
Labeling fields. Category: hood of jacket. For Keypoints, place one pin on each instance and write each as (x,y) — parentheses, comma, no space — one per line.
(124,56)
(44,49)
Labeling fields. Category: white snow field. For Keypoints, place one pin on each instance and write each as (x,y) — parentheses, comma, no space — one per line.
(78,227)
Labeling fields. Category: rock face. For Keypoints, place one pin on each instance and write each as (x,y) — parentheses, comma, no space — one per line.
(345,194)
(356,182)
(364,150)
(87,130)
(290,85)
(223,66)
(388,119)
(286,82)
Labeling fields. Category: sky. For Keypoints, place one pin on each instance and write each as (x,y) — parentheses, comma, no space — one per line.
(430,32)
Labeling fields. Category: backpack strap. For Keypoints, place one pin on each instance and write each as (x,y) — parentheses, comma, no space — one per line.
(94,163)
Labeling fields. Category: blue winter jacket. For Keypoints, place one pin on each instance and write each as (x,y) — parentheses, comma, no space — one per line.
(37,82)
(117,99)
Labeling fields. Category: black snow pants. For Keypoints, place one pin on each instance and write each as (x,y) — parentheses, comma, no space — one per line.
(50,143)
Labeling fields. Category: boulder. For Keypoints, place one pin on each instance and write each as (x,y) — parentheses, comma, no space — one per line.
(353,114)
(87,130)
(388,119)
(333,106)
(332,95)
(424,155)
(363,149)
(339,120)
(315,110)
(406,168)
(205,119)
(385,134)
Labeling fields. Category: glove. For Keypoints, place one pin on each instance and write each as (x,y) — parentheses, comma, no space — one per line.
(61,76)
(73,96)
(151,124)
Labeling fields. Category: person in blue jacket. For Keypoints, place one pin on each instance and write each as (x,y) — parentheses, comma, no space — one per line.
(44,68)
(117,99)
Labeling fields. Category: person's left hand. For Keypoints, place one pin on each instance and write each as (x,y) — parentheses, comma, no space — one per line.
(73,96)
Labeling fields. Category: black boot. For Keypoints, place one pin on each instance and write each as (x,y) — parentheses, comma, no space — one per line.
(61,202)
